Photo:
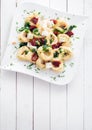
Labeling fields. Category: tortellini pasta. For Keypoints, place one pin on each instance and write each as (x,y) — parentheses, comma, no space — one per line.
(45,42)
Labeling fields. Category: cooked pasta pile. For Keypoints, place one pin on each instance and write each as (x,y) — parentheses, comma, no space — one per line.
(45,42)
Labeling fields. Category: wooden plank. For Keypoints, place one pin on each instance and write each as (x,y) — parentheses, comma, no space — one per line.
(75,88)
(58,93)
(41,96)
(88,69)
(24,100)
(8,81)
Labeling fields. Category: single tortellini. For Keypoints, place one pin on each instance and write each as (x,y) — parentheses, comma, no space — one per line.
(51,39)
(57,65)
(22,52)
(61,23)
(45,53)
(32,19)
(64,39)
(66,53)
(23,37)
(40,63)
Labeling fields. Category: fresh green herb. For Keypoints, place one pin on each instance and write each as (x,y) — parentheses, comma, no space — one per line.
(54,78)
(39,12)
(22,44)
(72,27)
(61,76)
(33,50)
(26,30)
(26,52)
(60,50)
(51,40)
(37,70)
(36,31)
(30,66)
(37,43)
(16,23)
(71,64)
(60,30)
(77,38)
(26,27)
(45,48)
(21,29)
(15,47)
(11,64)
(68,18)
(65,65)
(56,54)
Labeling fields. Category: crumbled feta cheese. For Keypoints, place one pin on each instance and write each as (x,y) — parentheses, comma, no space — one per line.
(30,35)
(30,46)
(48,65)
(45,33)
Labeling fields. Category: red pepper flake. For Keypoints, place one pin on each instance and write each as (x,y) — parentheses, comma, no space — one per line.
(54,46)
(54,21)
(32,28)
(34,20)
(34,57)
(70,33)
(56,63)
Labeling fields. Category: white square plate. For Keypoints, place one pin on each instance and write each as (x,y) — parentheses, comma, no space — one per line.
(10,62)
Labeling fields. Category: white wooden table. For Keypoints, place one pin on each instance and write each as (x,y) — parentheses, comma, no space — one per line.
(28,103)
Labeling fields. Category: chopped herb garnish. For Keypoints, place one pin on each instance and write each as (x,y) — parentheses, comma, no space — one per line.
(68,18)
(11,64)
(39,12)
(51,40)
(33,50)
(15,47)
(37,43)
(26,27)
(36,31)
(72,27)
(71,64)
(45,48)
(64,65)
(26,52)
(37,70)
(61,76)
(77,38)
(30,66)
(56,54)
(60,50)
(22,44)
(16,23)
(54,78)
